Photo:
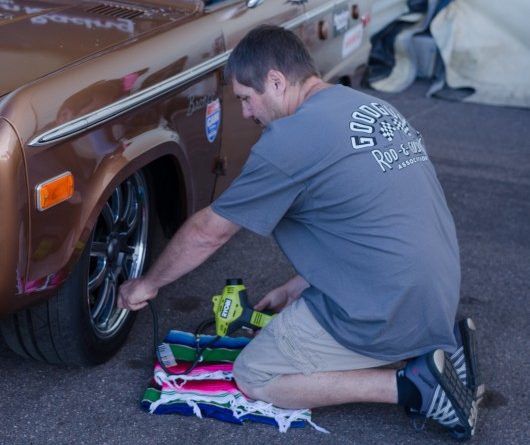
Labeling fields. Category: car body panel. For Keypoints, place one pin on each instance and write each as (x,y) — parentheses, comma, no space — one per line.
(104,115)
(36,37)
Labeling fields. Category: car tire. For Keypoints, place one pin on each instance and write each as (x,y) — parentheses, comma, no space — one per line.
(81,324)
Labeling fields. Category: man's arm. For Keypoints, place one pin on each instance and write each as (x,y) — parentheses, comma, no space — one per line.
(199,237)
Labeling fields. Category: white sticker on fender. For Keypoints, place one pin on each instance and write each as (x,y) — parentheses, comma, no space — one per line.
(352,40)
(213,119)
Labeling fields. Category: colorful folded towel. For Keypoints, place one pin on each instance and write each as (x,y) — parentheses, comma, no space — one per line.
(209,389)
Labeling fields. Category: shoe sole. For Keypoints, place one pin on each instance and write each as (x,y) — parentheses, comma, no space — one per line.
(460,396)
(468,331)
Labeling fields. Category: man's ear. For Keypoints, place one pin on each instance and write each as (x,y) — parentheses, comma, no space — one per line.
(277,81)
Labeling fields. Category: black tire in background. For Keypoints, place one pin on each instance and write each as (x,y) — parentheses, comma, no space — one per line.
(81,325)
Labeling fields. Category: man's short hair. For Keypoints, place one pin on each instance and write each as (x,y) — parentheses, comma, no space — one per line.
(269,47)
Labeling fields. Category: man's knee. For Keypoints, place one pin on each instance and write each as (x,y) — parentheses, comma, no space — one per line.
(248,380)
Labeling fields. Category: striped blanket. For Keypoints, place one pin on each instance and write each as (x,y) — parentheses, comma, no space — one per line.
(209,390)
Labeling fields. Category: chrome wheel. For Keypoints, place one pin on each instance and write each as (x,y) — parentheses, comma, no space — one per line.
(117,253)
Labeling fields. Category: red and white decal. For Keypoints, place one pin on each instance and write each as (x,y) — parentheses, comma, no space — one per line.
(352,40)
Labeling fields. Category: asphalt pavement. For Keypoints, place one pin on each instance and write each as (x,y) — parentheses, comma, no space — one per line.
(482,157)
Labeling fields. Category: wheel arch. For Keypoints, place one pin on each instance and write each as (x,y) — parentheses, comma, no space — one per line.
(169,173)
(169,192)
(169,176)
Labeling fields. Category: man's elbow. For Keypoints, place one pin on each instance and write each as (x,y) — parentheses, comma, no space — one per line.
(212,230)
(210,241)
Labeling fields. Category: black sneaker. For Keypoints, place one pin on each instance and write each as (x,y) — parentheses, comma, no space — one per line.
(465,358)
(444,397)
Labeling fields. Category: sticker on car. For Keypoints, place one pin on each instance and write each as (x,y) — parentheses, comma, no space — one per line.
(352,40)
(213,119)
(341,20)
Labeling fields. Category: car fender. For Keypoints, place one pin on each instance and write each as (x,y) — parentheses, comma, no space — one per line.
(137,154)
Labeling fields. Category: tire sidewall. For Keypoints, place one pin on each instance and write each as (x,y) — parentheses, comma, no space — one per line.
(86,347)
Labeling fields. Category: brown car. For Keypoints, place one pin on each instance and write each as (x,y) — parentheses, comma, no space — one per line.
(113,115)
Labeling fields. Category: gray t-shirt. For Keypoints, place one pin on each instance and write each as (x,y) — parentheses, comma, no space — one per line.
(347,189)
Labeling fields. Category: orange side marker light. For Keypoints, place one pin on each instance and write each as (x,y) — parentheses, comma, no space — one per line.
(55,191)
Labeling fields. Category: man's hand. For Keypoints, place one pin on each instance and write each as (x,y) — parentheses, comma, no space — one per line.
(200,236)
(133,294)
(277,299)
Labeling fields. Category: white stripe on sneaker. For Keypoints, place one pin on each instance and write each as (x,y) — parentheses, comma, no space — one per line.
(458,360)
(442,410)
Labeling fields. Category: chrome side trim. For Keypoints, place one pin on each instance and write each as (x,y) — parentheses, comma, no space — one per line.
(135,100)
(306,16)
(121,106)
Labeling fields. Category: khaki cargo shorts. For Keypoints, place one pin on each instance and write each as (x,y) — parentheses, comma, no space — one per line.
(295,343)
